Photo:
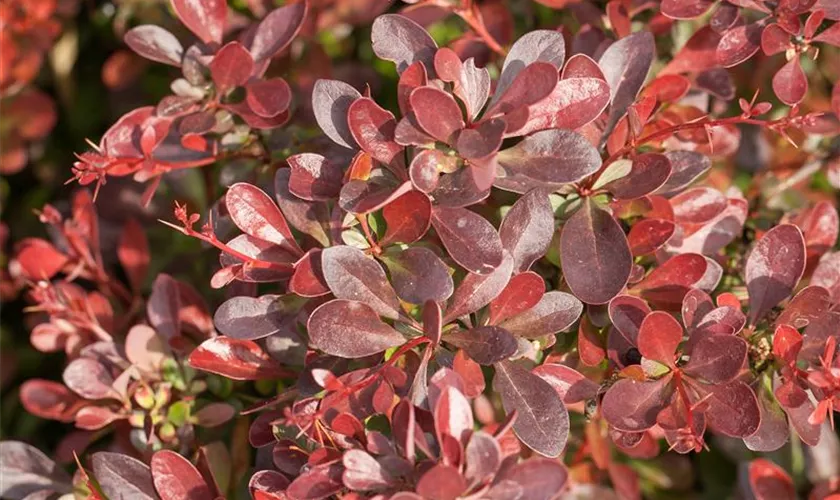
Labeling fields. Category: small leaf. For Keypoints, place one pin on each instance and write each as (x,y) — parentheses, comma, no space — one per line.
(400,40)
(373,129)
(313,177)
(353,276)
(538,45)
(277,30)
(89,378)
(437,113)
(522,292)
(659,336)
(231,67)
(363,473)
(470,240)
(774,268)
(155,43)
(206,19)
(555,312)
(594,255)
(648,173)
(236,359)
(331,100)
(527,229)
(418,275)
(477,290)
(485,345)
(251,318)
(790,83)
(733,410)
(633,406)
(176,478)
(739,43)
(626,64)
(542,422)
(769,481)
(121,476)
(350,329)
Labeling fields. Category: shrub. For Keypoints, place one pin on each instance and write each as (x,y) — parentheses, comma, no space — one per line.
(519,267)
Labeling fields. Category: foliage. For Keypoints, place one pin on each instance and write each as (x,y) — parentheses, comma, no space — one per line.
(469,265)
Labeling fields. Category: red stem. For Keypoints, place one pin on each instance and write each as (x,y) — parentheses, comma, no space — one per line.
(474,20)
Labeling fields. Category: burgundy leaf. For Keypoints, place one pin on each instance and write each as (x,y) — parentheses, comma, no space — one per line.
(522,292)
(256,215)
(350,329)
(539,478)
(739,44)
(473,87)
(535,46)
(133,253)
(477,290)
(668,283)
(571,385)
(277,30)
(120,476)
(308,280)
(413,77)
(483,456)
(625,64)
(418,275)
(717,359)
(659,336)
(373,129)
(630,405)
(481,141)
(26,470)
(214,414)
(594,255)
(441,482)
(573,103)
(542,422)
(331,100)
(268,98)
(251,318)
(363,473)
(769,481)
(50,400)
(547,159)
(533,84)
(317,482)
(206,19)
(485,345)
(236,359)
(155,43)
(698,205)
(774,268)
(470,240)
(555,312)
(400,40)
(527,229)
(314,177)
(648,235)
(176,478)
(648,173)
(353,276)
(407,218)
(437,113)
(790,83)
(231,67)
(733,410)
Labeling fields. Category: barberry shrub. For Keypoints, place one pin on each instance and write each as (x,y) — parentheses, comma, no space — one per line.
(506,264)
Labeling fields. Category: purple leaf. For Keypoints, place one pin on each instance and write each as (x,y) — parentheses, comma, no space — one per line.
(176,478)
(206,19)
(235,359)
(481,141)
(251,318)
(485,345)
(648,173)
(313,177)
(477,290)
(437,113)
(533,84)
(740,43)
(27,470)
(571,385)
(774,268)
(120,476)
(353,276)
(717,359)
(400,40)
(733,410)
(89,379)
(555,312)
(373,129)
(483,456)
(470,240)
(547,159)
(363,473)
(350,329)
(155,43)
(331,100)
(594,255)
(441,482)
(632,406)
(418,275)
(625,64)
(542,422)
(231,67)
(573,103)
(538,45)
(527,229)
(277,30)
(308,218)
(255,214)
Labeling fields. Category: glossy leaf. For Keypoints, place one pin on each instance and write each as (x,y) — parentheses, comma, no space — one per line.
(556,311)
(314,177)
(485,345)
(633,406)
(373,129)
(594,255)
(276,30)
(733,410)
(250,318)
(176,478)
(418,275)
(527,229)
(538,45)
(790,83)
(625,64)
(255,214)
(350,329)
(717,359)
(470,240)
(353,276)
(542,422)
(774,268)
(648,173)
(155,43)
(236,359)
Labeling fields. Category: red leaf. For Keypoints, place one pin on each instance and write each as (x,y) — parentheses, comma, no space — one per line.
(373,129)
(277,30)
(206,19)
(522,292)
(594,255)
(790,83)
(698,205)
(659,337)
(231,67)
(626,64)
(668,283)
(418,275)
(313,177)
(527,229)
(441,482)
(268,98)
(571,385)
(470,240)
(236,359)
(739,43)
(437,113)
(769,481)
(555,312)
(774,268)
(50,400)
(542,422)
(733,410)
(679,9)
(176,478)
(648,235)
(39,259)
(353,276)
(648,173)
(407,218)
(350,329)
(477,290)
(257,215)
(155,43)
(633,406)
(717,359)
